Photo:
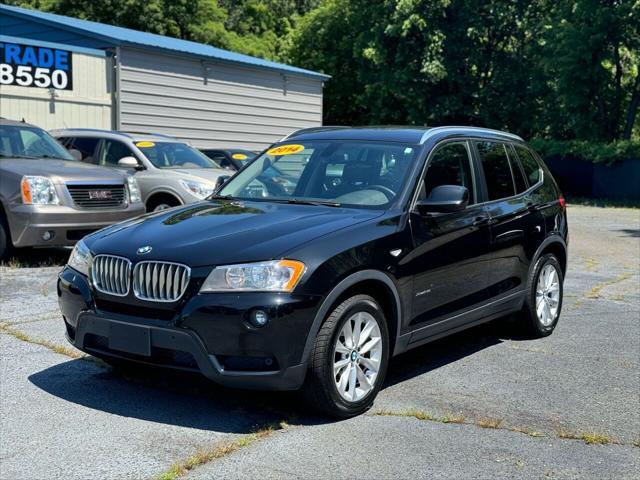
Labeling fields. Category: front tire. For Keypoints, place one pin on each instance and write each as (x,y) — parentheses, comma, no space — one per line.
(541,310)
(349,360)
(5,239)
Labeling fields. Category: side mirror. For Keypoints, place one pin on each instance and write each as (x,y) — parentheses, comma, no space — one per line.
(221,181)
(444,199)
(130,162)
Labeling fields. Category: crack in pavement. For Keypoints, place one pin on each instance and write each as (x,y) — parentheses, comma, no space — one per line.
(588,437)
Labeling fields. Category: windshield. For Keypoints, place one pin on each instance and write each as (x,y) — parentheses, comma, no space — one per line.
(29,142)
(360,174)
(175,155)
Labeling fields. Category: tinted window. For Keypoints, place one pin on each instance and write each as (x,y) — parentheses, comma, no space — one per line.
(450,165)
(112,152)
(518,176)
(497,171)
(529,165)
(83,149)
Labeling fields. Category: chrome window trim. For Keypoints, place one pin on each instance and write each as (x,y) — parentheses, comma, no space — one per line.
(139,296)
(127,277)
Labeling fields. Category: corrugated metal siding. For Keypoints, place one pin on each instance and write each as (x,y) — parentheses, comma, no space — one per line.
(214,105)
(88,105)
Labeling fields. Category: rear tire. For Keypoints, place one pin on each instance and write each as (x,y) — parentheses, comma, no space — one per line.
(542,307)
(348,362)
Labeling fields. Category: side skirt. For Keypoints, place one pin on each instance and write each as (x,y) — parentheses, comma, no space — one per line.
(471,318)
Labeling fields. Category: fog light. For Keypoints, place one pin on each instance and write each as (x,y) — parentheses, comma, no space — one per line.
(258,318)
(48,235)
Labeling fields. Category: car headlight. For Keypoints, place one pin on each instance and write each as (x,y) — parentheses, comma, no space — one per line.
(37,190)
(200,190)
(134,190)
(272,276)
(80,258)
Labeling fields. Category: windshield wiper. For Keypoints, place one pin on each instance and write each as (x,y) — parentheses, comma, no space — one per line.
(220,197)
(299,201)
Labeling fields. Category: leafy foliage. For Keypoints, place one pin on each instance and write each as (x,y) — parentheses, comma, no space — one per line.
(564,69)
(598,152)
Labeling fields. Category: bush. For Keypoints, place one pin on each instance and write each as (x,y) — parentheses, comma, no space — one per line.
(596,152)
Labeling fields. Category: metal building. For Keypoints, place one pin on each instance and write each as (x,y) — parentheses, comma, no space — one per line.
(123,79)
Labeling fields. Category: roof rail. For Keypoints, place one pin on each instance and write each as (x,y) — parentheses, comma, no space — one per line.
(434,130)
(136,132)
(321,128)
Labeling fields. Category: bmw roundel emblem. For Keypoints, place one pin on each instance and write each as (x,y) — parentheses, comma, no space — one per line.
(144,250)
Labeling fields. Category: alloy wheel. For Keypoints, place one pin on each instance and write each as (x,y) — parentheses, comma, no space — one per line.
(548,295)
(357,356)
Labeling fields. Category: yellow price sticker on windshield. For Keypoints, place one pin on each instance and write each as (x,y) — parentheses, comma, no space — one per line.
(239,156)
(285,150)
(145,144)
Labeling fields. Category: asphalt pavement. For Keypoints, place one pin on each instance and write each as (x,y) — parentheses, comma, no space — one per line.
(484,403)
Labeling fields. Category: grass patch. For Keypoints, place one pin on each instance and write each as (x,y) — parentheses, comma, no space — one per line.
(453,418)
(527,431)
(591,264)
(408,413)
(54,347)
(595,291)
(489,422)
(566,434)
(180,469)
(591,438)
(602,202)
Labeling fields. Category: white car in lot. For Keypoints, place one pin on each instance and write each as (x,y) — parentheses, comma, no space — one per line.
(170,172)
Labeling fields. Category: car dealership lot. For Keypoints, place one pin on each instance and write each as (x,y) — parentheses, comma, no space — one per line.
(64,417)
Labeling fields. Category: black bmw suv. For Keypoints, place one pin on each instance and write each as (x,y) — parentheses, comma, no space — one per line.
(389,238)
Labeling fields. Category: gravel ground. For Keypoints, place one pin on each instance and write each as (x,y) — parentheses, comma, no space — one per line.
(74,419)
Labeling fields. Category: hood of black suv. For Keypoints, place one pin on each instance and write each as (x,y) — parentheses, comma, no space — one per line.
(224,232)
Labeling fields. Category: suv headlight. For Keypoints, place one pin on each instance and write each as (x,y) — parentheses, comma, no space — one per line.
(200,190)
(273,276)
(134,190)
(80,258)
(37,190)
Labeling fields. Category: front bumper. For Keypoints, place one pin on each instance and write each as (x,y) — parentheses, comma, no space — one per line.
(28,223)
(207,333)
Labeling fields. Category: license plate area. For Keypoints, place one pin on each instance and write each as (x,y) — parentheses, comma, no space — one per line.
(133,339)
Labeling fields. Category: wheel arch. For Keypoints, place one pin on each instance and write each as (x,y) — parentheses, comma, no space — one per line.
(163,194)
(553,244)
(371,282)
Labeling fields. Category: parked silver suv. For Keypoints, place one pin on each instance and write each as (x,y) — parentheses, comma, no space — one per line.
(170,172)
(48,199)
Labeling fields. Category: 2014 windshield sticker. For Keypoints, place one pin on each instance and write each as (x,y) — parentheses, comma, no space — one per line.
(30,66)
(239,156)
(285,150)
(145,144)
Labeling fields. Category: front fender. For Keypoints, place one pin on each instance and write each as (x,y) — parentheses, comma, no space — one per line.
(338,290)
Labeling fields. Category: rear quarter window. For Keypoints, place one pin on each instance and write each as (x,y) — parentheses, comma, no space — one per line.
(529,164)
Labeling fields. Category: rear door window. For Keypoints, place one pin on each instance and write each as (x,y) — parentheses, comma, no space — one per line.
(529,165)
(497,171)
(83,148)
